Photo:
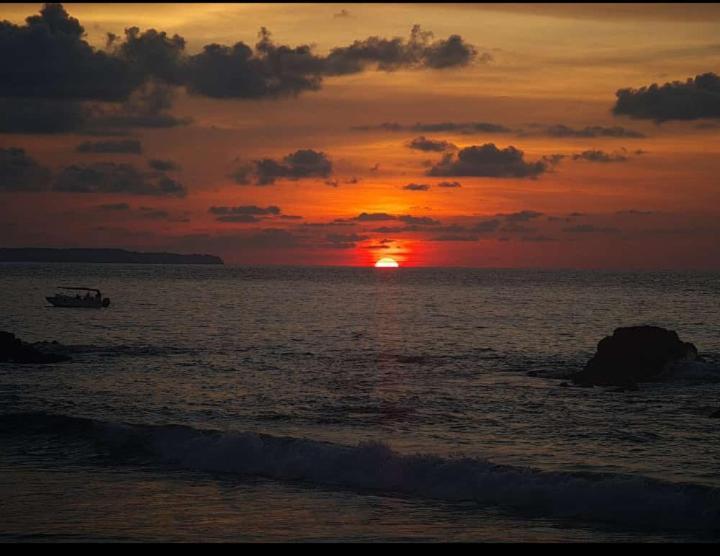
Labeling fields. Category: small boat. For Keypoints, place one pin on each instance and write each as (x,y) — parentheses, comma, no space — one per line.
(93,301)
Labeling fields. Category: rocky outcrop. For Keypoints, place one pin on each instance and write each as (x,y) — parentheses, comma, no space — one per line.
(632,355)
(16,351)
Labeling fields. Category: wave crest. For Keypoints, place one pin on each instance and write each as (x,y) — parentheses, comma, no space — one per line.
(631,501)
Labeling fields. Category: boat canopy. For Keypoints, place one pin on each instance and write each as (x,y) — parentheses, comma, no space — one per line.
(78,288)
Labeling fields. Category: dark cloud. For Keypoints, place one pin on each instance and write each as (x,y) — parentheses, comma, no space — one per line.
(418,220)
(373,217)
(153,213)
(537,238)
(455,237)
(462,233)
(48,58)
(486,226)
(600,156)
(416,187)
(522,216)
(590,229)
(115,207)
(383,216)
(147,107)
(634,212)
(34,115)
(247,213)
(270,71)
(19,172)
(429,145)
(128,146)
(693,99)
(449,184)
(151,54)
(109,177)
(394,54)
(266,71)
(487,161)
(344,241)
(561,130)
(163,165)
(439,127)
(514,227)
(305,163)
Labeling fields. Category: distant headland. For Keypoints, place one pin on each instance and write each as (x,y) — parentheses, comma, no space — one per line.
(79,255)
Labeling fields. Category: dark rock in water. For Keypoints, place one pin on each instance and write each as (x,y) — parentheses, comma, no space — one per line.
(715,415)
(632,355)
(15,350)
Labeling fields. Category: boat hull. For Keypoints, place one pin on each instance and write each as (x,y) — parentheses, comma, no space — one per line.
(59,301)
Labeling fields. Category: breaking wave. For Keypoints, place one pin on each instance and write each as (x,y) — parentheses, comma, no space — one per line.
(630,501)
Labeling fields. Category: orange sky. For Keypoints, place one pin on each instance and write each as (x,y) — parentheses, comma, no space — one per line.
(654,204)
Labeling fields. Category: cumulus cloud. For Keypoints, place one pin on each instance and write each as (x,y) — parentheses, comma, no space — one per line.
(418,220)
(20,172)
(416,187)
(344,241)
(696,98)
(430,145)
(600,156)
(269,70)
(147,107)
(486,226)
(305,163)
(522,216)
(163,165)
(439,127)
(109,177)
(590,229)
(34,115)
(114,207)
(246,213)
(127,146)
(153,213)
(487,161)
(383,216)
(151,53)
(467,233)
(393,54)
(48,58)
(561,130)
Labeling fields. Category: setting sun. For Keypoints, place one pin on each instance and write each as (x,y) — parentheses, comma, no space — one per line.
(386,262)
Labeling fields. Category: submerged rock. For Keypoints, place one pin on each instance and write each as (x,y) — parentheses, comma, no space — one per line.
(632,355)
(16,351)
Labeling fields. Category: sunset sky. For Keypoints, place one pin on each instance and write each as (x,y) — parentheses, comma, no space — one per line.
(342,136)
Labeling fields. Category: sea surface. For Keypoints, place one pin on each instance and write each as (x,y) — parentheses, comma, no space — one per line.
(228,403)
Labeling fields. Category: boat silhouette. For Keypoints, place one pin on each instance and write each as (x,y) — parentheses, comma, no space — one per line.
(95,301)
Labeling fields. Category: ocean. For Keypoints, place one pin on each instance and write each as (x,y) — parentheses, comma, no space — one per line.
(231,403)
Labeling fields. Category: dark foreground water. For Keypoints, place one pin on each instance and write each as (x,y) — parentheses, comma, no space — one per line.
(306,404)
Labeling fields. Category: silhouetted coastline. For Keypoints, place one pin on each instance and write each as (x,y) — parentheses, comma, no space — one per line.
(86,255)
